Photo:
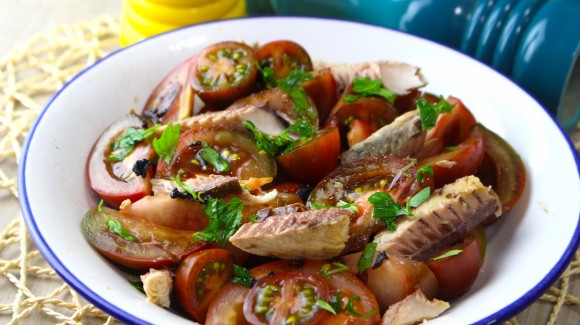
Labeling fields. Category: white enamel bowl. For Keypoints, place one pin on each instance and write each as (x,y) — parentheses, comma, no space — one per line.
(527,250)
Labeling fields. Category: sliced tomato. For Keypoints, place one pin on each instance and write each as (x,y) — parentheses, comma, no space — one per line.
(227,307)
(199,278)
(451,129)
(343,283)
(223,72)
(359,131)
(502,168)
(173,98)
(393,278)
(458,162)
(405,103)
(154,246)
(323,91)
(456,273)
(320,155)
(284,56)
(286,298)
(236,148)
(115,181)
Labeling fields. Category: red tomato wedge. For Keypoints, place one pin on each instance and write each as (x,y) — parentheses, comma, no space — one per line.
(227,308)
(199,277)
(283,56)
(323,91)
(359,131)
(310,161)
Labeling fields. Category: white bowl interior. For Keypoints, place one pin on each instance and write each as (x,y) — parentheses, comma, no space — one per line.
(527,249)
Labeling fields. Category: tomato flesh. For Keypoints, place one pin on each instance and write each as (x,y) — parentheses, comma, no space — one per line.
(227,308)
(456,274)
(223,72)
(155,246)
(199,278)
(358,132)
(236,148)
(116,181)
(323,91)
(286,298)
(320,155)
(283,56)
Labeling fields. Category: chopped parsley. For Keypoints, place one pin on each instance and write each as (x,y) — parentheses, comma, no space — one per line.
(425,170)
(387,210)
(291,86)
(189,192)
(429,112)
(450,253)
(349,309)
(334,306)
(166,144)
(341,204)
(123,145)
(366,87)
(242,276)
(212,157)
(366,258)
(224,220)
(283,143)
(137,285)
(324,305)
(328,270)
(115,226)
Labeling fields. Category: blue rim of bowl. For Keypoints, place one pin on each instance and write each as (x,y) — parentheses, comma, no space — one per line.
(506,312)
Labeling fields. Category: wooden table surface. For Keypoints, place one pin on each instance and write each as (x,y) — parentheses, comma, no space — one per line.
(21,19)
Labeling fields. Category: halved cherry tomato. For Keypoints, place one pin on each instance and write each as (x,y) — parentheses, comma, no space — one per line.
(286,298)
(236,148)
(323,91)
(359,131)
(451,129)
(198,279)
(227,307)
(502,168)
(154,246)
(223,72)
(457,273)
(394,278)
(116,181)
(459,162)
(310,161)
(284,56)
(344,282)
(405,103)
(173,98)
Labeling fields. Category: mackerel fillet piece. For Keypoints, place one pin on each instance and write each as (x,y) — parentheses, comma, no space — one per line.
(314,234)
(446,217)
(402,138)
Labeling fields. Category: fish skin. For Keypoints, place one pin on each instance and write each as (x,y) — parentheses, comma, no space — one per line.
(414,309)
(315,234)
(446,217)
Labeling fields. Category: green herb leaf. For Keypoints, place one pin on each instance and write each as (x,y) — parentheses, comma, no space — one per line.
(366,87)
(451,148)
(123,145)
(350,309)
(253,218)
(137,285)
(212,157)
(268,76)
(224,220)
(194,195)
(166,144)
(419,198)
(114,225)
(336,302)
(425,170)
(327,270)
(450,253)
(324,305)
(283,143)
(242,276)
(294,79)
(366,258)
(429,112)
(291,86)
(303,128)
(386,209)
(348,206)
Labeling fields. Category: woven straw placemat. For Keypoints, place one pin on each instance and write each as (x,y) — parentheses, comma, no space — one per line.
(29,75)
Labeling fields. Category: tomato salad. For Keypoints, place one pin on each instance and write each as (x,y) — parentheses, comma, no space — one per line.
(257,186)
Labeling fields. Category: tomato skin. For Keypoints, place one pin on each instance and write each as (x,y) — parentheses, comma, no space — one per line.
(465,159)
(323,91)
(451,129)
(345,282)
(358,132)
(283,56)
(215,266)
(216,78)
(145,252)
(227,308)
(456,274)
(284,296)
(115,181)
(320,155)
(172,99)
(503,169)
